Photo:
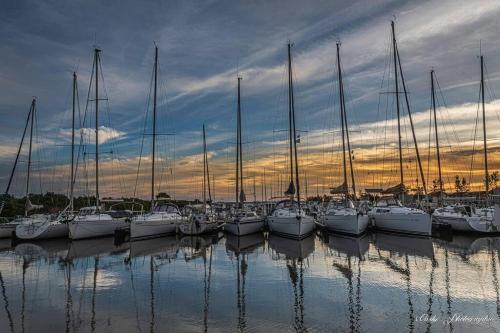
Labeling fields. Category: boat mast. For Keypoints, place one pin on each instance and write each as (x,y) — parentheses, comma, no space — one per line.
(208,178)
(486,174)
(240,194)
(204,172)
(238,146)
(154,128)
(397,62)
(440,179)
(96,64)
(344,122)
(419,161)
(396,87)
(33,110)
(291,133)
(17,156)
(71,199)
(292,105)
(344,162)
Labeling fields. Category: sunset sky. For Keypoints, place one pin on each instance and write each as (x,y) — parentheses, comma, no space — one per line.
(203,47)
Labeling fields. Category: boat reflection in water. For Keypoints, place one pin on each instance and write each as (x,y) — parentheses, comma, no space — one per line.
(404,256)
(466,245)
(378,283)
(202,247)
(348,253)
(403,244)
(94,247)
(244,244)
(288,248)
(295,253)
(47,249)
(161,247)
(238,248)
(351,246)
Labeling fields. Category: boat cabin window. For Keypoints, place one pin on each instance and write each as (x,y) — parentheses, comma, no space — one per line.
(118,214)
(87,211)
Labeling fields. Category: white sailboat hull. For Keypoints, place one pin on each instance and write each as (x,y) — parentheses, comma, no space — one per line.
(245,227)
(348,224)
(291,226)
(418,224)
(95,227)
(45,230)
(467,223)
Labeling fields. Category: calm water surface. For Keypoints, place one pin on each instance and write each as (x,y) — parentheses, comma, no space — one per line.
(258,283)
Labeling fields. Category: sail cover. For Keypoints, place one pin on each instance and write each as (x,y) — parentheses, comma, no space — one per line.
(291,189)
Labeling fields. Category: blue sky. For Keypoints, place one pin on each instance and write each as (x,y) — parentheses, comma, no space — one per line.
(204,45)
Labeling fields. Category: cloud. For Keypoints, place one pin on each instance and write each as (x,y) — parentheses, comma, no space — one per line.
(203,48)
(88,134)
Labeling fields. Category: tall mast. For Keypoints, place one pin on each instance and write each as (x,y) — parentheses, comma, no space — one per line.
(396,87)
(440,179)
(344,121)
(265,187)
(292,104)
(486,174)
(208,171)
(291,139)
(154,129)
(419,161)
(71,200)
(33,110)
(18,152)
(344,162)
(204,171)
(238,146)
(242,192)
(96,64)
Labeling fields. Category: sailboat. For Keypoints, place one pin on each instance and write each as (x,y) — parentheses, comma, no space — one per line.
(243,221)
(200,222)
(288,218)
(58,227)
(465,217)
(94,221)
(389,214)
(164,217)
(9,228)
(341,215)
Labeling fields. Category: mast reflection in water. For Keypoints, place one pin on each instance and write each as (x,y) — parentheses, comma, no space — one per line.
(260,283)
